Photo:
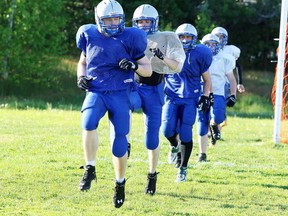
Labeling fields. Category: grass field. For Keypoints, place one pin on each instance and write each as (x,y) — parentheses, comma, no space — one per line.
(41,152)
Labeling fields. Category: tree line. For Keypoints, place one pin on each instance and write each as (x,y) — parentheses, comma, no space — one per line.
(35,34)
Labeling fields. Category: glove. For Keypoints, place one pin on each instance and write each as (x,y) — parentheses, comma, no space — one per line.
(128,65)
(157,52)
(211,98)
(83,82)
(204,104)
(231,100)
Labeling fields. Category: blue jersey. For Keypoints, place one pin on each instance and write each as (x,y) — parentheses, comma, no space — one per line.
(187,83)
(104,53)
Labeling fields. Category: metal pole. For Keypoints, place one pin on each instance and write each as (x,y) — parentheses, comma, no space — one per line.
(280,71)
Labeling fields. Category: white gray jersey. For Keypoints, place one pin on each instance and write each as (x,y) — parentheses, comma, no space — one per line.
(222,64)
(170,46)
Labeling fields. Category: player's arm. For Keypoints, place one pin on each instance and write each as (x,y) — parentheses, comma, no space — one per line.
(173,64)
(233,83)
(81,66)
(207,84)
(144,67)
(240,86)
(83,82)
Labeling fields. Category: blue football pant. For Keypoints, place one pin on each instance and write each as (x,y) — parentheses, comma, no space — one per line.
(217,114)
(117,104)
(152,98)
(179,117)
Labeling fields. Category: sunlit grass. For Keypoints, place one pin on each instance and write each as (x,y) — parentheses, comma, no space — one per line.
(41,151)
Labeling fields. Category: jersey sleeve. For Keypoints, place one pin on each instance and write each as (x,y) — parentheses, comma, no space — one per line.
(230,63)
(81,39)
(138,44)
(207,58)
(233,50)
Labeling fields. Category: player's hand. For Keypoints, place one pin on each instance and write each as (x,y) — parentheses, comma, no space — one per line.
(211,98)
(83,82)
(231,100)
(204,104)
(128,65)
(240,88)
(157,52)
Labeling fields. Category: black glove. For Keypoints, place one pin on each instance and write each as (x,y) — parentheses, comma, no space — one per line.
(83,82)
(231,100)
(204,104)
(211,98)
(128,65)
(157,52)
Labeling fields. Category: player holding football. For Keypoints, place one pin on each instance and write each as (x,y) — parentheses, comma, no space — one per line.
(183,91)
(167,56)
(110,56)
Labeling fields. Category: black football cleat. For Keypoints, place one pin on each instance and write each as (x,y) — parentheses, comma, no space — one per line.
(151,183)
(88,177)
(119,194)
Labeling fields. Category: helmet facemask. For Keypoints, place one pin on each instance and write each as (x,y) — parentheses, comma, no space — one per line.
(112,30)
(188,44)
(148,29)
(223,38)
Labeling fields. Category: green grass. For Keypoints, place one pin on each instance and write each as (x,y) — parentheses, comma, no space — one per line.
(40,153)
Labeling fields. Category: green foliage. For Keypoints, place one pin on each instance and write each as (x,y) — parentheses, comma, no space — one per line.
(34,40)
(252,27)
(35,33)
(41,151)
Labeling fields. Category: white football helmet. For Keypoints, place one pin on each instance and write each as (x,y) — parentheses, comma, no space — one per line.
(146,12)
(222,34)
(187,29)
(212,42)
(109,9)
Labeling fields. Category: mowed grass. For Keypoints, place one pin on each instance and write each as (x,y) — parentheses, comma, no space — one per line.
(41,152)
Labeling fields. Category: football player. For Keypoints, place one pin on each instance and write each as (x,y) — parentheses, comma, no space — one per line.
(167,56)
(111,55)
(221,68)
(183,97)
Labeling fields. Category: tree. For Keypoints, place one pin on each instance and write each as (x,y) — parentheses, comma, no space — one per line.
(251,26)
(31,31)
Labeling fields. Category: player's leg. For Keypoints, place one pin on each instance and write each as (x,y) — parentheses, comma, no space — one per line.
(152,103)
(203,126)
(217,116)
(93,109)
(169,128)
(187,120)
(118,113)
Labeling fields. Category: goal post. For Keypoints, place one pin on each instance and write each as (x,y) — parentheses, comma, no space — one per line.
(280,72)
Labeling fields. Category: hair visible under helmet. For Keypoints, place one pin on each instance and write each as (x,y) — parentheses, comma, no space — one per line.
(187,29)
(212,42)
(109,9)
(222,34)
(146,12)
